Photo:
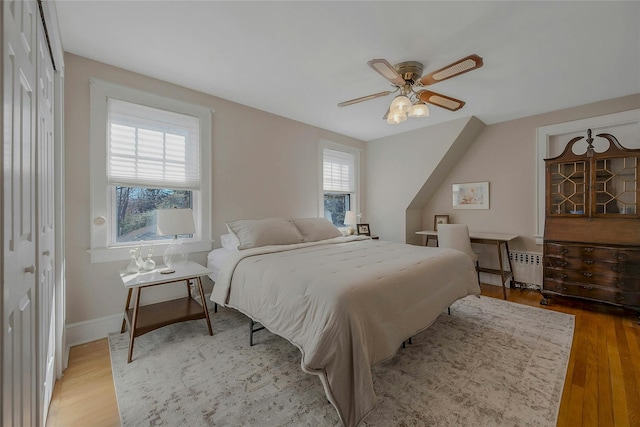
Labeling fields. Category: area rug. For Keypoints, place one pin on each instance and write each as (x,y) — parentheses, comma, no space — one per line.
(489,363)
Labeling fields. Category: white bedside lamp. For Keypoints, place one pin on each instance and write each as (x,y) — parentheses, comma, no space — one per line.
(174,222)
(350,219)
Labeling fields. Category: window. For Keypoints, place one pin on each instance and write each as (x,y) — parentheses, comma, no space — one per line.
(147,153)
(339,171)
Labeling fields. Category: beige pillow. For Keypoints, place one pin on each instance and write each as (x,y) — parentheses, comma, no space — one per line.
(314,229)
(253,233)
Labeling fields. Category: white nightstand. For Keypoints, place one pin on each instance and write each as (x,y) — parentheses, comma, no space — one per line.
(146,318)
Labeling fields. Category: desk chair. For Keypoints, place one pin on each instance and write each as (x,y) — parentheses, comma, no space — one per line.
(456,236)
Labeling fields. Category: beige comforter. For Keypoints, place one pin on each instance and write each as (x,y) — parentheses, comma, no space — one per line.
(346,303)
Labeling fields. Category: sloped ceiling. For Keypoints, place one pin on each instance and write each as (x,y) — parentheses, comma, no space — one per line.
(299,59)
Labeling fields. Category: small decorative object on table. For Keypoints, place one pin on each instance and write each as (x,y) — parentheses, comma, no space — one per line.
(363,230)
(149,264)
(440,219)
(133,266)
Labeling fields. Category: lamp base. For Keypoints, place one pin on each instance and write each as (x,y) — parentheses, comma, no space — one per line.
(175,254)
(351,231)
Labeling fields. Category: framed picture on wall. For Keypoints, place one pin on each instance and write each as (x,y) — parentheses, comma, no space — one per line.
(471,195)
(363,229)
(440,219)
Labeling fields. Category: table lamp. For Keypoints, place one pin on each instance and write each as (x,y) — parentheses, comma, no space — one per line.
(174,222)
(350,219)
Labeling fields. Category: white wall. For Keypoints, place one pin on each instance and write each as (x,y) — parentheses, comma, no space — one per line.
(505,155)
(400,170)
(262,165)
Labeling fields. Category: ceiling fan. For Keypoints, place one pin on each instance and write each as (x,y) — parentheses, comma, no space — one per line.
(412,99)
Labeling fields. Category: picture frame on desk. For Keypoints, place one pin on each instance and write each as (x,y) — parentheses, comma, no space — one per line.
(440,219)
(364,230)
(471,195)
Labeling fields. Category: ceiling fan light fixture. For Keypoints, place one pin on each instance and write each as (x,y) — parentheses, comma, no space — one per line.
(395,118)
(400,103)
(419,109)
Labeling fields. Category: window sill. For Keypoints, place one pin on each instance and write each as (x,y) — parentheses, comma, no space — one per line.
(121,253)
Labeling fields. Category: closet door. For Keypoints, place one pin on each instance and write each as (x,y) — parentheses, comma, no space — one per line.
(46,225)
(19,232)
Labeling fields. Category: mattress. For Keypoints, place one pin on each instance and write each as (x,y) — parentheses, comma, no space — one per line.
(346,303)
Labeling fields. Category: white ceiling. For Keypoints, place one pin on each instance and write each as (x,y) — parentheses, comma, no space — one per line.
(298,59)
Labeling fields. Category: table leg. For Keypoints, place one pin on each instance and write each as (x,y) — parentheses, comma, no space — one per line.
(504,290)
(126,307)
(204,304)
(188,283)
(513,277)
(134,321)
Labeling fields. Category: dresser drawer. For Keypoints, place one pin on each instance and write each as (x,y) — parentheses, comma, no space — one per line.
(601,253)
(586,277)
(584,265)
(593,292)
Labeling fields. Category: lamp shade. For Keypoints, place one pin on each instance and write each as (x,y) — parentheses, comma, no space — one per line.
(400,103)
(419,109)
(173,222)
(350,218)
(395,118)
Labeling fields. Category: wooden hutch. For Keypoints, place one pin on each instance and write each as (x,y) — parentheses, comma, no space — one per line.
(592,222)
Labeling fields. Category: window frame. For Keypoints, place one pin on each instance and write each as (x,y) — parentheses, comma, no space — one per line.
(354,199)
(101,197)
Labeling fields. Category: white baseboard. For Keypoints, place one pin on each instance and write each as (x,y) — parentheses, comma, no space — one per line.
(91,330)
(95,329)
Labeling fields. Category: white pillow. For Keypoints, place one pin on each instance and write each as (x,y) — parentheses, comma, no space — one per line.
(253,233)
(314,229)
(230,241)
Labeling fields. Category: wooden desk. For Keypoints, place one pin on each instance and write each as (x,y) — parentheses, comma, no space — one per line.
(143,319)
(495,239)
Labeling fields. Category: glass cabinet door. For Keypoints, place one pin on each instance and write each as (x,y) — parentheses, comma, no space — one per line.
(567,190)
(615,187)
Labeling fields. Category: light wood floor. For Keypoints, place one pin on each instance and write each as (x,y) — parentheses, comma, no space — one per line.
(602,387)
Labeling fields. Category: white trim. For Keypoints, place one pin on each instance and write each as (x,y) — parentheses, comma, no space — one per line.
(100,196)
(60,358)
(119,253)
(543,137)
(95,329)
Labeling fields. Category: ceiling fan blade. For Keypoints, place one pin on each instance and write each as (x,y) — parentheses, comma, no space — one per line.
(462,66)
(439,100)
(364,98)
(386,70)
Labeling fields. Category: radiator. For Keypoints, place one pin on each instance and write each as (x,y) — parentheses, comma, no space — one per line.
(527,269)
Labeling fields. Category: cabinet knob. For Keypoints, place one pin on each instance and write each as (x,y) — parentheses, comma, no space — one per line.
(46,252)
(31,269)
(618,284)
(588,249)
(588,288)
(588,261)
(617,269)
(587,274)
(620,256)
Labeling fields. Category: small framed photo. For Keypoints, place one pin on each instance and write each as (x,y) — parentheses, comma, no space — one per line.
(363,229)
(471,195)
(440,219)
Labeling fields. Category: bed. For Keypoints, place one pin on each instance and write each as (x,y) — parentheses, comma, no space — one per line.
(347,302)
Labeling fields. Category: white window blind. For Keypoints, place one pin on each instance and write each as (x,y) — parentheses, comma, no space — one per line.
(338,171)
(150,147)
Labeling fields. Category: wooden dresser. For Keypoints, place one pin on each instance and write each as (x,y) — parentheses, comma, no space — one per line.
(592,222)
